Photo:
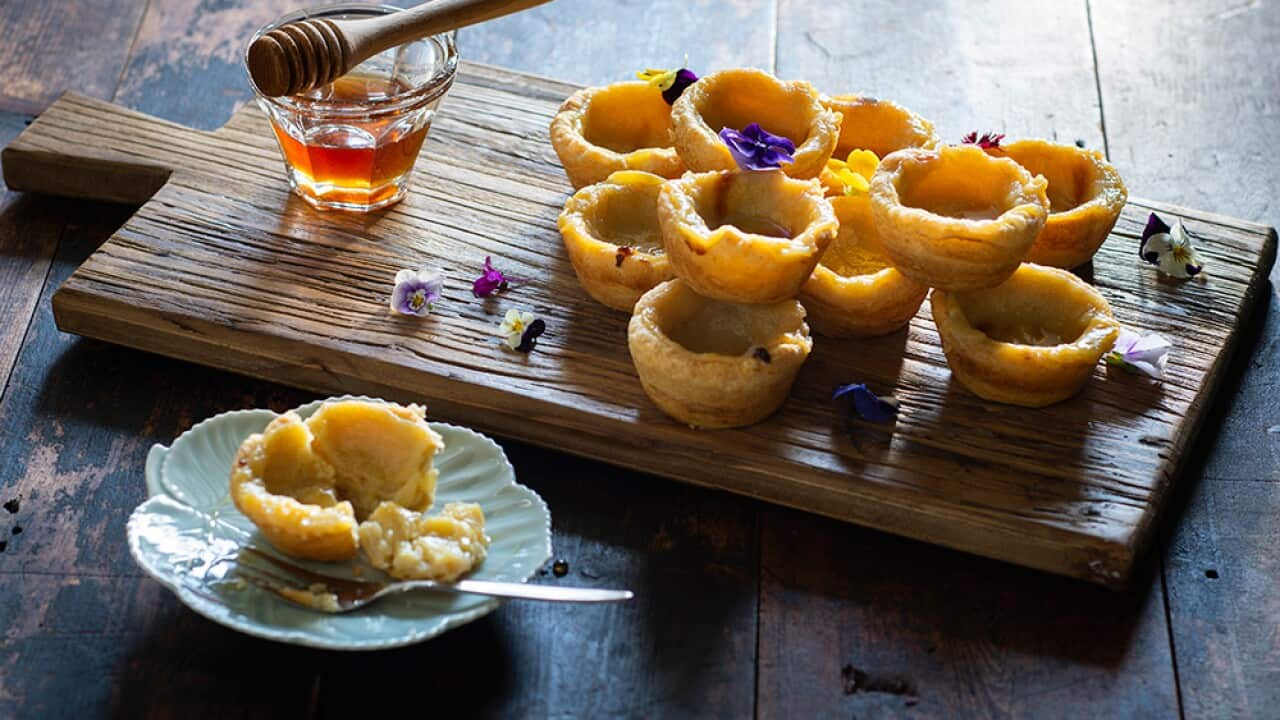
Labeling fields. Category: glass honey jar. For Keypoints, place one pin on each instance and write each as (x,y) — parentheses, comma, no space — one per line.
(351,145)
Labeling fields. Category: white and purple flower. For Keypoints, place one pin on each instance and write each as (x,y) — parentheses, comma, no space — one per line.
(1147,354)
(755,148)
(867,404)
(1170,248)
(416,291)
(521,330)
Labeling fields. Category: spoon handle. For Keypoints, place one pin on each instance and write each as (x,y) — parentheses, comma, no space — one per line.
(368,37)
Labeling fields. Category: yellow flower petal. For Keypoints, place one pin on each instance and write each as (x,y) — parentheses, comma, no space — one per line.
(661,79)
(863,162)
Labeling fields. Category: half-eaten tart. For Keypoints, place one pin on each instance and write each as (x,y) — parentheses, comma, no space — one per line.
(611,233)
(416,546)
(881,126)
(1086,196)
(853,291)
(306,484)
(714,364)
(1034,340)
(745,236)
(956,218)
(623,126)
(738,97)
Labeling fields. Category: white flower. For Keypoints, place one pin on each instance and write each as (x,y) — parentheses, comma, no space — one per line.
(1170,248)
(1148,354)
(513,326)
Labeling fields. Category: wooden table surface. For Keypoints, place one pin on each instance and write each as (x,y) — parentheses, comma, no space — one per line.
(742,608)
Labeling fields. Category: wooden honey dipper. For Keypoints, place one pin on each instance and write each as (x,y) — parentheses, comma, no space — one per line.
(311,53)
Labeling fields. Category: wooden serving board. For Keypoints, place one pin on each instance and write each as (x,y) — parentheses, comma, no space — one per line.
(222,266)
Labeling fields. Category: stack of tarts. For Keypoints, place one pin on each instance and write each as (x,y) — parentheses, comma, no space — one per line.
(730,212)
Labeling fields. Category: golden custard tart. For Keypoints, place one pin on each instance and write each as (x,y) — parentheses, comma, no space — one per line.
(1085,193)
(1034,340)
(611,232)
(623,126)
(738,97)
(715,364)
(854,291)
(880,126)
(744,236)
(956,218)
(306,484)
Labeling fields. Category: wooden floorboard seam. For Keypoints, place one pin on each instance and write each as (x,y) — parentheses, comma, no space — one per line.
(1097,79)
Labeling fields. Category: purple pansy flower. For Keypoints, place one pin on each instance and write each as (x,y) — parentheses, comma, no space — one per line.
(416,291)
(869,406)
(755,148)
(491,280)
(1148,354)
(1169,248)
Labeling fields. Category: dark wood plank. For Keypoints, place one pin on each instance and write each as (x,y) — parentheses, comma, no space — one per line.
(690,554)
(1193,126)
(922,631)
(1023,68)
(855,623)
(49,47)
(29,230)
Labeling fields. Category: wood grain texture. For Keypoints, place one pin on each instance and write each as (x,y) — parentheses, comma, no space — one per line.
(602,41)
(855,623)
(614,528)
(29,230)
(1022,68)
(1196,126)
(224,267)
(49,47)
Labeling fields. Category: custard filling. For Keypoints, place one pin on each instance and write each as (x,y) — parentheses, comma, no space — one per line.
(703,325)
(627,117)
(626,216)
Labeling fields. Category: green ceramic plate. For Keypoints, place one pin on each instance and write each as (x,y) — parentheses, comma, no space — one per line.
(188,533)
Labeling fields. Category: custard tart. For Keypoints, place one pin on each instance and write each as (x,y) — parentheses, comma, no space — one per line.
(611,233)
(1085,193)
(735,99)
(956,218)
(880,126)
(306,484)
(853,291)
(714,364)
(745,236)
(623,126)
(1033,340)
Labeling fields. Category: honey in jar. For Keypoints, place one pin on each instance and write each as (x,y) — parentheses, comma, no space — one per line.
(357,160)
(352,144)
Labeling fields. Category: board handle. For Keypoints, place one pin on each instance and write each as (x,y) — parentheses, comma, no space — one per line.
(83,147)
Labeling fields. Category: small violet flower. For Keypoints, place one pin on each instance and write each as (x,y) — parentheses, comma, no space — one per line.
(521,330)
(868,406)
(988,141)
(491,280)
(672,83)
(1148,354)
(416,291)
(854,173)
(1170,248)
(755,148)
